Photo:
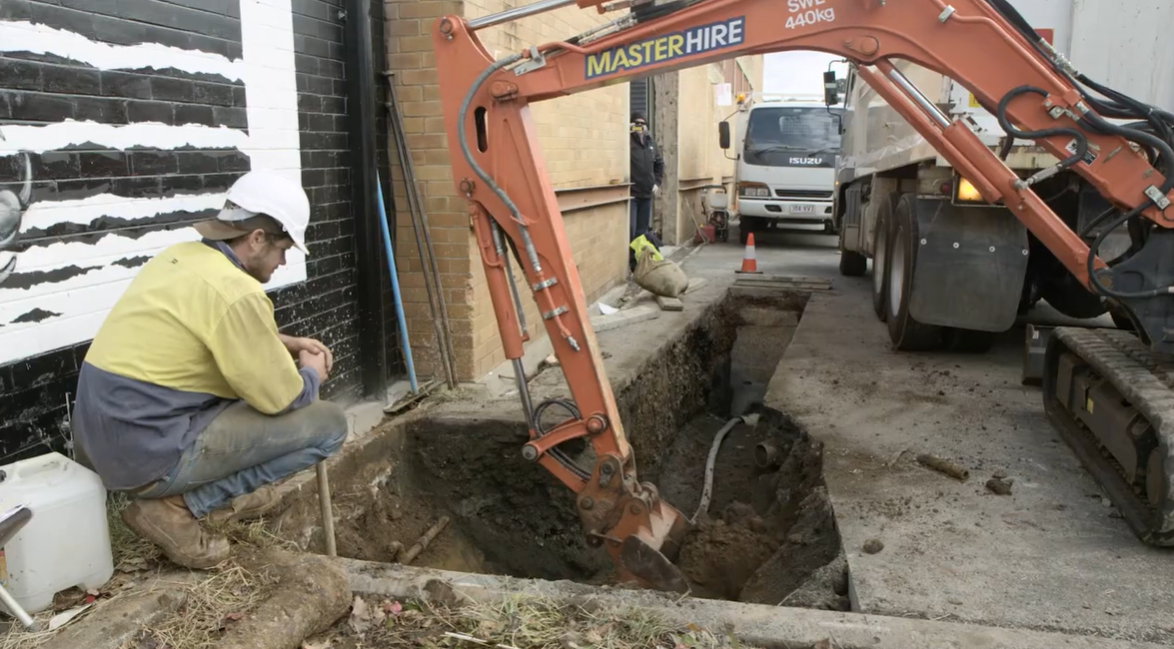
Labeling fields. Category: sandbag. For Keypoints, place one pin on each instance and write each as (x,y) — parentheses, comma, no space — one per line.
(659,276)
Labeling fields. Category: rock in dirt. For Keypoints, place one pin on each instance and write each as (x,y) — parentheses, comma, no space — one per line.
(999,486)
(872,546)
(312,593)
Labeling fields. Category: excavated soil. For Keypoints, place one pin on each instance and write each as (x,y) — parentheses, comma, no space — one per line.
(767,535)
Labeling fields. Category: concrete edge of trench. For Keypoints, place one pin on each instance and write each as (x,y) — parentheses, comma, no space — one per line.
(756,624)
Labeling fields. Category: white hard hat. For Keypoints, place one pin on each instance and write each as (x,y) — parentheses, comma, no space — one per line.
(262,192)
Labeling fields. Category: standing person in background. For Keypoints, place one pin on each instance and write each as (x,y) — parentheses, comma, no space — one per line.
(647,171)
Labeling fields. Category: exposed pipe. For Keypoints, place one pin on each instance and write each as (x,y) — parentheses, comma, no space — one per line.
(703,506)
(395,289)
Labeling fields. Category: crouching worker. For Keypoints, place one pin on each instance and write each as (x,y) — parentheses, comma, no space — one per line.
(189,400)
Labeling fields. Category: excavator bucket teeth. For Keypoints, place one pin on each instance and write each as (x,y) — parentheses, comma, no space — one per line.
(650,567)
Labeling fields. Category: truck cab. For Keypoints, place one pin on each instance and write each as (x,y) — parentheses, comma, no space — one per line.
(786,157)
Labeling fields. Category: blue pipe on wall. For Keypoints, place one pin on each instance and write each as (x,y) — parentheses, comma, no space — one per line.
(399,303)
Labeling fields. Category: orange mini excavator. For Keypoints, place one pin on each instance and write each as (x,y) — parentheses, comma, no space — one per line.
(983,44)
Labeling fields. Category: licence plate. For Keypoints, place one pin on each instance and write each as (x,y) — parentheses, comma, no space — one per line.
(802,209)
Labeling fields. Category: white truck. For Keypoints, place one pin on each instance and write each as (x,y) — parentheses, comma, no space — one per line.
(786,150)
(948,269)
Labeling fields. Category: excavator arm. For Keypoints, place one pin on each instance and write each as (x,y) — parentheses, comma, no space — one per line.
(498,168)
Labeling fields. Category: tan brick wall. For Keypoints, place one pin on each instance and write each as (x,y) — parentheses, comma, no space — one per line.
(583,139)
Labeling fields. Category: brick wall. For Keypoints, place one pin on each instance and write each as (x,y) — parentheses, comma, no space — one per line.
(98,210)
(583,139)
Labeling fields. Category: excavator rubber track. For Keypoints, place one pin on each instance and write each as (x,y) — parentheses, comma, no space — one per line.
(1112,400)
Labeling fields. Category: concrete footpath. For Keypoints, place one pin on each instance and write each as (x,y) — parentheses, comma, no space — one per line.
(1051,555)
(753,624)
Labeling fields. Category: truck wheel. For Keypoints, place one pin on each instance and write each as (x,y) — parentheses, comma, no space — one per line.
(905,333)
(746,225)
(852,264)
(880,257)
(968,341)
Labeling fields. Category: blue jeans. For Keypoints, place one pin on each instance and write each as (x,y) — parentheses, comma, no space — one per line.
(243,449)
(640,219)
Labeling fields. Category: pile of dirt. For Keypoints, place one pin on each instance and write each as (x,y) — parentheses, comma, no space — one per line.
(718,557)
(783,546)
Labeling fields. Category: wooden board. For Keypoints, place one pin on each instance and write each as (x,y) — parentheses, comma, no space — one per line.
(670,303)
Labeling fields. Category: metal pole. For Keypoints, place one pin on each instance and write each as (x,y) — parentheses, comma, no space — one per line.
(517,12)
(397,292)
(915,94)
(327,510)
(524,392)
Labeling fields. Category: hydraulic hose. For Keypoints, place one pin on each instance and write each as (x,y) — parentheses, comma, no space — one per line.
(1116,104)
(1165,152)
(462,120)
(1092,252)
(1001,114)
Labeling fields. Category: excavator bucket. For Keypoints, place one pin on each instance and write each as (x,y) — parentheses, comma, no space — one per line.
(647,555)
(651,568)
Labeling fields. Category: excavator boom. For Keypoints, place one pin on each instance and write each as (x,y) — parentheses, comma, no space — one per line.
(499,169)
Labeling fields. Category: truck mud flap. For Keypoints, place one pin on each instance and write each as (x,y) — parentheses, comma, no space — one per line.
(852,224)
(971,265)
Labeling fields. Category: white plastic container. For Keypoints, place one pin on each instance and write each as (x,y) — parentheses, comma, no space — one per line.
(67,542)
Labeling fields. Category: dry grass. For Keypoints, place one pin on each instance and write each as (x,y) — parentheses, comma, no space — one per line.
(212,606)
(253,533)
(17,637)
(212,603)
(517,623)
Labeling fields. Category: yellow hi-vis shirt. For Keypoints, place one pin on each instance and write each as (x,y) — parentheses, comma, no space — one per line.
(192,333)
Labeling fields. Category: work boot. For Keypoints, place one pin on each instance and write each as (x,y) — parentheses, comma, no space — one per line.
(247,506)
(169,524)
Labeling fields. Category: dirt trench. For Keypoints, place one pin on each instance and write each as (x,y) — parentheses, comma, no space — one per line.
(768,535)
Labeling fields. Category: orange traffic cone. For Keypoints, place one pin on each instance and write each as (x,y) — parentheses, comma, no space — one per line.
(749,263)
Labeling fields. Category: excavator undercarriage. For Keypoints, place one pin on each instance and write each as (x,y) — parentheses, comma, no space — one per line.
(1108,391)
(1112,399)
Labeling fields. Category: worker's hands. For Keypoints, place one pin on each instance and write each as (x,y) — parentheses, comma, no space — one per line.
(298,345)
(315,361)
(656,190)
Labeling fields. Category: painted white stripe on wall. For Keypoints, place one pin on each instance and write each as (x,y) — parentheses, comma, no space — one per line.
(271,99)
(107,250)
(102,255)
(22,36)
(82,211)
(267,41)
(269,74)
(49,137)
(82,303)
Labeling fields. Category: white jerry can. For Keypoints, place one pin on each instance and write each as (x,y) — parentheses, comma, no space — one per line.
(67,541)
